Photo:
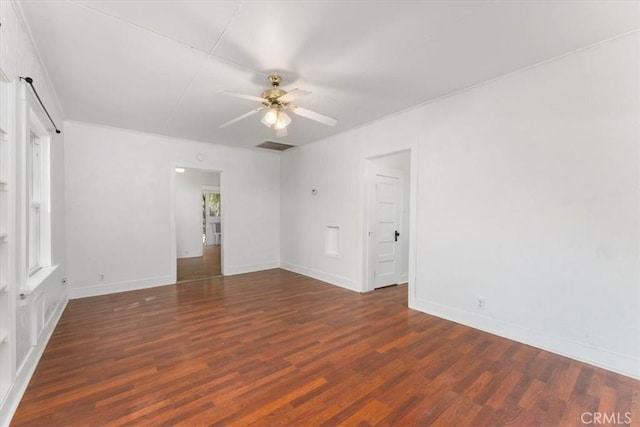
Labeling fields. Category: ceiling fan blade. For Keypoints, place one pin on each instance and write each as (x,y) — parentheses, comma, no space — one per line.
(314,116)
(293,94)
(282,132)
(224,125)
(243,96)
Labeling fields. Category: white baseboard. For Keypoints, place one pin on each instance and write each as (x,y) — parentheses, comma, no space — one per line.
(596,356)
(28,367)
(343,282)
(250,268)
(115,287)
(187,256)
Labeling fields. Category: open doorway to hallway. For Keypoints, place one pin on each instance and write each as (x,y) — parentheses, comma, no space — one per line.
(387,219)
(198,224)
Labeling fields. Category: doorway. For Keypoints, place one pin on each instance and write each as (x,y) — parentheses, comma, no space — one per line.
(198,224)
(387,219)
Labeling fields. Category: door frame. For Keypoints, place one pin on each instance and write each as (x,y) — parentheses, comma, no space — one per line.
(412,176)
(172,215)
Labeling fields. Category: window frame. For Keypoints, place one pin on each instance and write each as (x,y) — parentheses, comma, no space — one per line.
(38,248)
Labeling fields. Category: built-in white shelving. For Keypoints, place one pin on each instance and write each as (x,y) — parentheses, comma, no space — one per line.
(6,245)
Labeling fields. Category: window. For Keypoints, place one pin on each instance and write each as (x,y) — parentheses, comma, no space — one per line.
(38,221)
(214,204)
(35,185)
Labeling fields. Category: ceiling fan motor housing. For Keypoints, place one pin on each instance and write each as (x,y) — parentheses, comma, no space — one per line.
(272,95)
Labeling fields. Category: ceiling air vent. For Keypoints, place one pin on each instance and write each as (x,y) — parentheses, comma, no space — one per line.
(278,146)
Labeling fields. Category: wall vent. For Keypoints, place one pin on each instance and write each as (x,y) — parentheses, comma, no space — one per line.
(278,146)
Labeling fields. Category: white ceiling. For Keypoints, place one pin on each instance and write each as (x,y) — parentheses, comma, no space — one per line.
(157,66)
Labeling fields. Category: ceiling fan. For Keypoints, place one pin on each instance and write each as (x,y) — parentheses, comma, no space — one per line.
(277,102)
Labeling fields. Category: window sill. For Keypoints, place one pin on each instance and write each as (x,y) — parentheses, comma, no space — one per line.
(35,281)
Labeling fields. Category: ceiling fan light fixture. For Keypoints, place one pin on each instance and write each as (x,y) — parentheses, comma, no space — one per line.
(275,101)
(271,117)
(283,121)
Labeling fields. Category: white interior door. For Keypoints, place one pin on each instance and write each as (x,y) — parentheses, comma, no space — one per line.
(386,228)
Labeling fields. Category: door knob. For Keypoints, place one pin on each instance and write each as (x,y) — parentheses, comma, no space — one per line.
(396,235)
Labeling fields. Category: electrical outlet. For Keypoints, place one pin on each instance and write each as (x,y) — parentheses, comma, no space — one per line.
(481,303)
(101,277)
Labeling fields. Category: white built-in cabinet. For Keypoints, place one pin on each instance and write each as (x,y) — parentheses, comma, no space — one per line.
(7,242)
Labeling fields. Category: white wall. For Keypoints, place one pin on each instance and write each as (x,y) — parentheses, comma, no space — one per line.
(527,196)
(334,168)
(28,337)
(120,188)
(189,210)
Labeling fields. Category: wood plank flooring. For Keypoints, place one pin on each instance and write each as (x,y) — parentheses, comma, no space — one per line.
(279,349)
(202,267)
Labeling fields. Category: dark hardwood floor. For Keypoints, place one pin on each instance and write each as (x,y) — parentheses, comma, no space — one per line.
(202,267)
(279,349)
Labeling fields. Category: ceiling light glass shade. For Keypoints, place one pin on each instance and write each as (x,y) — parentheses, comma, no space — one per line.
(283,121)
(271,117)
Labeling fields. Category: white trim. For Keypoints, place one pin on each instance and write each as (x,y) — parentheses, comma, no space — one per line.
(173,268)
(34,117)
(37,279)
(596,356)
(28,367)
(406,277)
(333,279)
(173,246)
(115,287)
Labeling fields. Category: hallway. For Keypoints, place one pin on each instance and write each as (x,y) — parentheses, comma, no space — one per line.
(202,267)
